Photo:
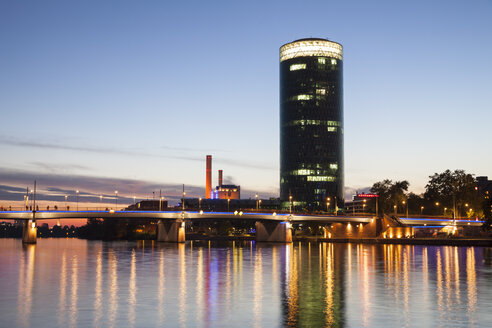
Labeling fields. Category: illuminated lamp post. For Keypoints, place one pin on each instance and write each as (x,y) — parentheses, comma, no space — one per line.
(184,194)
(421,209)
(228,201)
(437,206)
(290,204)
(327,203)
(394,208)
(256,196)
(259,203)
(406,203)
(77,198)
(66,197)
(200,203)
(336,206)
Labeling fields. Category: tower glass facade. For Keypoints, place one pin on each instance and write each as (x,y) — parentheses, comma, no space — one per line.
(311,123)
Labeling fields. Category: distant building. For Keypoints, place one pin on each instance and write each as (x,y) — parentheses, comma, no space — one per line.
(148,205)
(218,205)
(227,192)
(311,123)
(484,186)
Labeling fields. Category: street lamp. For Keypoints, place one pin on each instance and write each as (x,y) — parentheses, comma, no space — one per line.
(160,203)
(259,203)
(406,203)
(228,201)
(66,197)
(327,203)
(394,208)
(336,206)
(290,204)
(77,196)
(184,194)
(421,209)
(116,199)
(256,196)
(200,203)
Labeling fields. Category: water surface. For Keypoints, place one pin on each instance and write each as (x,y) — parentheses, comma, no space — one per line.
(78,283)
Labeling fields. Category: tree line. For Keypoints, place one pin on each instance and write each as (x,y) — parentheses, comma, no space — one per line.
(450,193)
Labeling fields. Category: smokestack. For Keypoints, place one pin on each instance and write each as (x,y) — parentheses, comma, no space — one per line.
(208,178)
(220,178)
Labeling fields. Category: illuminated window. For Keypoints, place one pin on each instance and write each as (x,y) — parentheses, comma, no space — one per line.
(322,60)
(302,172)
(320,92)
(333,166)
(295,67)
(332,129)
(333,62)
(311,48)
(313,122)
(320,178)
(304,97)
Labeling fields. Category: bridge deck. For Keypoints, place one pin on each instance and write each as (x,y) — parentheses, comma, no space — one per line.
(173,215)
(196,215)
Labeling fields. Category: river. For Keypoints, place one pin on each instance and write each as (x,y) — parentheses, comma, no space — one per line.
(79,283)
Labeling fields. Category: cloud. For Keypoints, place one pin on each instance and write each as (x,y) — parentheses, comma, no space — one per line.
(123,152)
(54,187)
(52,168)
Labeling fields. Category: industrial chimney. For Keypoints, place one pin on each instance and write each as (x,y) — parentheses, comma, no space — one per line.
(208,178)
(220,178)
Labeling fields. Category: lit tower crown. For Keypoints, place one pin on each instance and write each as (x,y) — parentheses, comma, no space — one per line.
(311,122)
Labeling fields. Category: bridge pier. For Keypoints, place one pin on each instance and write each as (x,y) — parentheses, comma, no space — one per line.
(273,231)
(29,231)
(172,231)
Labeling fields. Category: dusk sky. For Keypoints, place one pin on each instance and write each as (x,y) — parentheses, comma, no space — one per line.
(132,95)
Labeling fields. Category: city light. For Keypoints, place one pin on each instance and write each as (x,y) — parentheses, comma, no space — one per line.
(309,48)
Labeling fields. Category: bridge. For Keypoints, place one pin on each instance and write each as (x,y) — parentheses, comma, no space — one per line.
(270,227)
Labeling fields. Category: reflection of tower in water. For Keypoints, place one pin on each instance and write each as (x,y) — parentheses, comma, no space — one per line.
(312,285)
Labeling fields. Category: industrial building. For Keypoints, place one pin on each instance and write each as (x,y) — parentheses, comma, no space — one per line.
(221,191)
(311,123)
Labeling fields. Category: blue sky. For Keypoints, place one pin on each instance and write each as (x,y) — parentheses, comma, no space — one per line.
(135,94)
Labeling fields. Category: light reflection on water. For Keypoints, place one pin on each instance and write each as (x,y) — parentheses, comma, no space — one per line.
(77,283)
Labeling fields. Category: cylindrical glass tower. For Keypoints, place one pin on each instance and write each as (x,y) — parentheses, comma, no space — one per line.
(311,123)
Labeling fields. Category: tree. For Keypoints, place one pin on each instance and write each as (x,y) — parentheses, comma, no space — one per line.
(390,194)
(452,190)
